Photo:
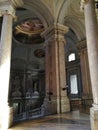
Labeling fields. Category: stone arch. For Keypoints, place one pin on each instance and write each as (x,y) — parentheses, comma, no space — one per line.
(73,20)
(62,10)
(76,25)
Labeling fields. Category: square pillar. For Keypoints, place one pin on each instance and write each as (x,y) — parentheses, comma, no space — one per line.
(56,100)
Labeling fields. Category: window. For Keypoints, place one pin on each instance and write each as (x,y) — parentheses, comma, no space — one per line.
(73,84)
(71,57)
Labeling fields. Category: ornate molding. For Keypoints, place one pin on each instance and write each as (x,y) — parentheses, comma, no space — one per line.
(55,31)
(6,8)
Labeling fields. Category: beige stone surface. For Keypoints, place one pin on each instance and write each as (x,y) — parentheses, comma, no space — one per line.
(94,118)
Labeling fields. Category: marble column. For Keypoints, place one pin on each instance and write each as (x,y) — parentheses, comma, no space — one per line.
(56,100)
(92,46)
(5,58)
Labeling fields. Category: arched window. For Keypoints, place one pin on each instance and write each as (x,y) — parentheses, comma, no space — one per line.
(71,57)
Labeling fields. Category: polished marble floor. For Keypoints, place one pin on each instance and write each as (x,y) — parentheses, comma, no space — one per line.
(67,121)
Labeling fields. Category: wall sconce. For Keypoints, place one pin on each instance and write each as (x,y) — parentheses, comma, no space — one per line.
(65,88)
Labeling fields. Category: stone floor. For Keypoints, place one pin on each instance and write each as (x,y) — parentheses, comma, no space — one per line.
(67,121)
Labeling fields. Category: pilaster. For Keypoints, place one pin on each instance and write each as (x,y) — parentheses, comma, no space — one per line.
(86,81)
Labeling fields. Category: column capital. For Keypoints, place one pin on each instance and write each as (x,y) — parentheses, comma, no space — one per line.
(55,31)
(7,8)
(82,3)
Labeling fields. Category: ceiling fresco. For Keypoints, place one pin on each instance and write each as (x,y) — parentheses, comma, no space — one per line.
(28,31)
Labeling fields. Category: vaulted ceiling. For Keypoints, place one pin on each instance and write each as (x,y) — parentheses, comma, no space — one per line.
(66,12)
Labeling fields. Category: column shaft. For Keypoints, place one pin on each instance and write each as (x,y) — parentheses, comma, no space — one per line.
(5,55)
(5,59)
(62,76)
(92,45)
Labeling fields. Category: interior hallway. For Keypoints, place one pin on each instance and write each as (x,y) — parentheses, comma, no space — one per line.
(69,121)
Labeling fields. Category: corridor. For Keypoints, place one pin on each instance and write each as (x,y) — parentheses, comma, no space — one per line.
(69,121)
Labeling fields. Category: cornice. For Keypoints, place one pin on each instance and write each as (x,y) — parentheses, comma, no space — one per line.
(55,31)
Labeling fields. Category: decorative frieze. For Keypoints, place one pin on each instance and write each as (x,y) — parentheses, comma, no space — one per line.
(8,12)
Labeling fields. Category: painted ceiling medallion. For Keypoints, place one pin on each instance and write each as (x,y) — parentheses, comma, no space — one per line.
(30,27)
(29,31)
(39,53)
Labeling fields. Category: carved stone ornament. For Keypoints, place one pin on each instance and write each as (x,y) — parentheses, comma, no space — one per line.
(82,4)
(6,8)
(84,1)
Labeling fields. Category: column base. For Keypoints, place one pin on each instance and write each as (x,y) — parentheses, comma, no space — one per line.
(6,118)
(55,106)
(49,107)
(65,105)
(94,118)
